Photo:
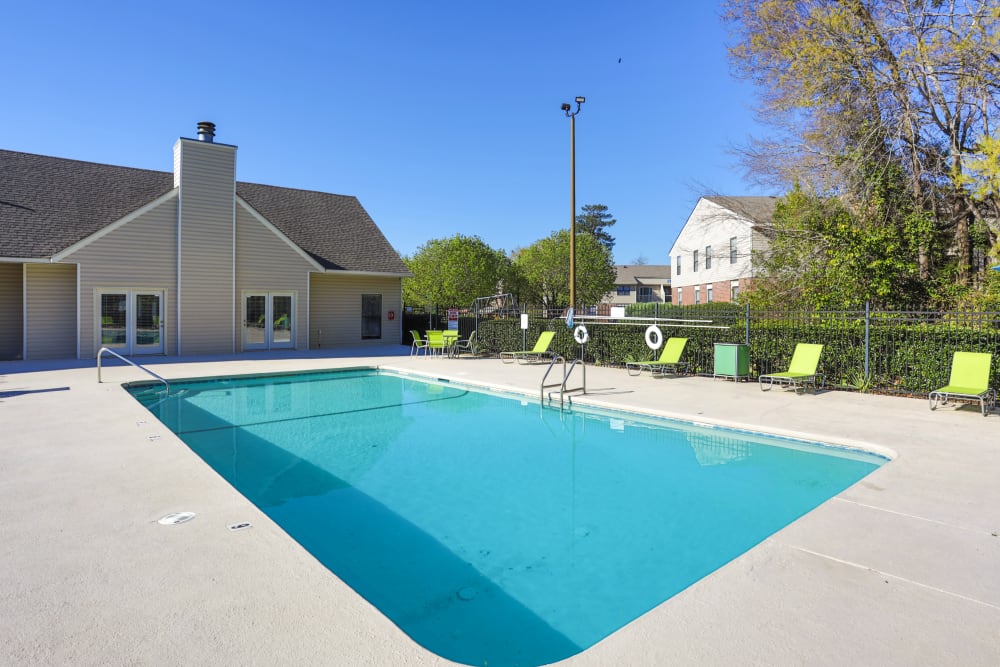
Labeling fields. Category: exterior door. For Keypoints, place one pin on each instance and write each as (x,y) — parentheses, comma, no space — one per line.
(131,321)
(147,323)
(371,315)
(255,322)
(268,320)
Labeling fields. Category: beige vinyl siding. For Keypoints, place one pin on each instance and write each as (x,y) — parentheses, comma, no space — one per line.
(335,309)
(266,263)
(11,311)
(51,312)
(759,245)
(139,255)
(207,200)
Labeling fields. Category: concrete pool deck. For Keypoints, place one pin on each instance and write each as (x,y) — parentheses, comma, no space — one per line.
(902,568)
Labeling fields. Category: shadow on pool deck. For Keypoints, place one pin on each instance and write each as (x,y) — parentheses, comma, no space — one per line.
(108,361)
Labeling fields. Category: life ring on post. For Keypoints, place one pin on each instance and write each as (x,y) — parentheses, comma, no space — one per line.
(654,337)
(581,335)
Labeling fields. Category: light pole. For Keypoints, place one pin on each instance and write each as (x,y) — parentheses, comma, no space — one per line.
(572,196)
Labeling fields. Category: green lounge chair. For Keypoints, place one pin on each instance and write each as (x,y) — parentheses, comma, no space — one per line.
(460,346)
(801,371)
(418,343)
(970,380)
(540,351)
(669,360)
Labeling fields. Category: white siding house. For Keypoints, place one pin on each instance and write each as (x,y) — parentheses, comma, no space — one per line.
(712,258)
(640,283)
(186,262)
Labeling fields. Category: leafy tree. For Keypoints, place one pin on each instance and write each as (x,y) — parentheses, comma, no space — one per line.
(593,220)
(544,267)
(823,255)
(454,271)
(853,87)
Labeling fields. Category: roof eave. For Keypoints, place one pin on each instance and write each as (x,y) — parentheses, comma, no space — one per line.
(382,274)
(26,260)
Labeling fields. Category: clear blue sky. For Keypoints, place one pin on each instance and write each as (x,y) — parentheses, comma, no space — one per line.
(440,116)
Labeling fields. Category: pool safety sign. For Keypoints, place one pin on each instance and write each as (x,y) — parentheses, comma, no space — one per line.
(453,319)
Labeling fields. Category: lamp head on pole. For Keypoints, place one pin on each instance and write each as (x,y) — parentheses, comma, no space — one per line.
(566,106)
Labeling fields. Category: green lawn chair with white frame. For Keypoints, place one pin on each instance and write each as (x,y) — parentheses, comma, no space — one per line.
(969,380)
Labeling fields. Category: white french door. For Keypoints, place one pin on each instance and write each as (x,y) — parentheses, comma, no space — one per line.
(268,320)
(131,321)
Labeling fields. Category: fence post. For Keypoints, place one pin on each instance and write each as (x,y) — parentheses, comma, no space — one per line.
(868,324)
(746,318)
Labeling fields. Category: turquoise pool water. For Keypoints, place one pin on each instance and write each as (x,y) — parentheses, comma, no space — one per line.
(492,530)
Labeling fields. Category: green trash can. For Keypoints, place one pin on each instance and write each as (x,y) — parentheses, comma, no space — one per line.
(732,360)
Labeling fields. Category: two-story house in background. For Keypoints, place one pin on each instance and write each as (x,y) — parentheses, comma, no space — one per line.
(712,258)
(188,262)
(640,283)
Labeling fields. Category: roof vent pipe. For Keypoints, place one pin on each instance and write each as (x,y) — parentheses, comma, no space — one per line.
(206,131)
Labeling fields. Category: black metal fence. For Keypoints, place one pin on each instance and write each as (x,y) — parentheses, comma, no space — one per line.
(898,351)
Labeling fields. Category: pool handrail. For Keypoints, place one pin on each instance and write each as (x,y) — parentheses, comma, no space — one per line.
(563,391)
(129,362)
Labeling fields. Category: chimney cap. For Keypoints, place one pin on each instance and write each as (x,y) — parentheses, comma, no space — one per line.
(206,131)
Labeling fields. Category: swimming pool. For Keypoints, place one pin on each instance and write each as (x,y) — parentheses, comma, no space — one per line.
(488,528)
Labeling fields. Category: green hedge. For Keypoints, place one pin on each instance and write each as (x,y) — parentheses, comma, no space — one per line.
(903,358)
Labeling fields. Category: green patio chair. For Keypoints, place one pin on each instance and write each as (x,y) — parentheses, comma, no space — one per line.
(435,342)
(540,351)
(418,343)
(970,380)
(801,371)
(460,346)
(669,360)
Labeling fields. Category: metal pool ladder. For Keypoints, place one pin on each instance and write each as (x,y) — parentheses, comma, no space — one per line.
(563,391)
(129,362)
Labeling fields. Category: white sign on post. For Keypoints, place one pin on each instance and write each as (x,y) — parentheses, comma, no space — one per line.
(524,320)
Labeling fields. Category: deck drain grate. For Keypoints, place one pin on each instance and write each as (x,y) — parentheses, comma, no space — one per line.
(243,525)
(176,518)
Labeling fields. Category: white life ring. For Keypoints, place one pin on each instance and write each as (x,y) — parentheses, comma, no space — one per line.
(581,335)
(654,337)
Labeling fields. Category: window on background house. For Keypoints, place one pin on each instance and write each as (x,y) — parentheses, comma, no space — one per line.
(697,295)
(677,266)
(680,296)
(694,261)
(645,295)
(734,291)
(708,257)
(624,290)
(708,294)
(732,250)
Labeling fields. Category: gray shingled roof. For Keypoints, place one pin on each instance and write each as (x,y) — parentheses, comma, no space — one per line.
(758,209)
(335,230)
(47,204)
(632,274)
